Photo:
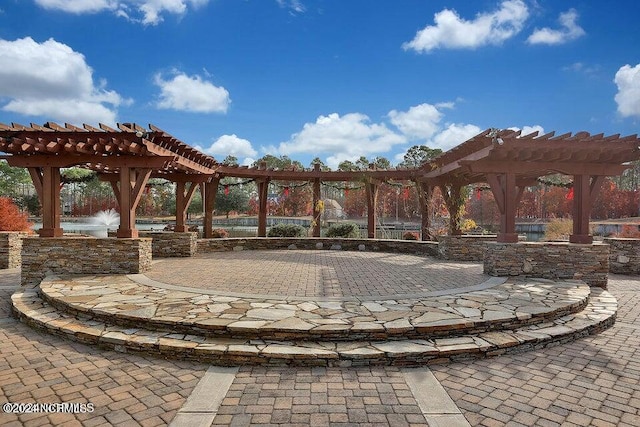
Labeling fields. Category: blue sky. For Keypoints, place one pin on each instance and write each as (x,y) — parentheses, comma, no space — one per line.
(337,79)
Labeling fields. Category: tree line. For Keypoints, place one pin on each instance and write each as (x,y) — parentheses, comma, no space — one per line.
(84,195)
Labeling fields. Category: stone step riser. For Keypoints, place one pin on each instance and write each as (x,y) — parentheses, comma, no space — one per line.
(449,328)
(598,316)
(469,328)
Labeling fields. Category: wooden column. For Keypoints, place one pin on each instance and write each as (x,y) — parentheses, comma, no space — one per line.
(128,190)
(317,214)
(184,196)
(47,183)
(127,227)
(263,193)
(209,197)
(506,194)
(584,191)
(371,189)
(425,195)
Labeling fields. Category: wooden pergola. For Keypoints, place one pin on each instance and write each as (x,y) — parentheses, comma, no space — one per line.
(371,179)
(509,162)
(128,156)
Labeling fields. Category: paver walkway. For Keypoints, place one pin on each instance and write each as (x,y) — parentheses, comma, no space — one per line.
(592,381)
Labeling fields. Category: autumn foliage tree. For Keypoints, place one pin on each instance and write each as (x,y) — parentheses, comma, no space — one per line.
(11,219)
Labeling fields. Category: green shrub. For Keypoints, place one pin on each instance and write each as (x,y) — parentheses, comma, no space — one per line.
(287,230)
(345,229)
(411,235)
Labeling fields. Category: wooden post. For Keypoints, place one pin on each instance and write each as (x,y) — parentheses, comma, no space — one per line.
(584,191)
(316,198)
(184,196)
(506,195)
(127,227)
(210,191)
(131,185)
(50,199)
(371,189)
(263,193)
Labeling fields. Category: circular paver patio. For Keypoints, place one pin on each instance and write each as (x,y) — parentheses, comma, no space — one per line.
(317,273)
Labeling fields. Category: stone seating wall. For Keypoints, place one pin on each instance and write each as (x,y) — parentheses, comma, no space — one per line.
(552,260)
(256,243)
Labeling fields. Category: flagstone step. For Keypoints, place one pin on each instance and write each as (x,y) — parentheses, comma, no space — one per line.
(500,305)
(596,316)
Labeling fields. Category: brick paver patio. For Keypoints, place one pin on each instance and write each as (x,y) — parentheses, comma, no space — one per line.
(316,273)
(592,381)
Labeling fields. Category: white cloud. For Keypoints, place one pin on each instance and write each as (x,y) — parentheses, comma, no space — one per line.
(570,31)
(346,137)
(50,79)
(79,6)
(150,11)
(454,134)
(422,122)
(581,67)
(419,122)
(191,93)
(231,145)
(628,97)
(294,6)
(451,31)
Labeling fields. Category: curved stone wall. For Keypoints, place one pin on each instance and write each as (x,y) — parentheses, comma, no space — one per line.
(256,243)
(625,255)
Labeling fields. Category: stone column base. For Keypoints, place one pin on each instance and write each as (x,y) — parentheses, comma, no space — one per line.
(82,255)
(465,247)
(170,244)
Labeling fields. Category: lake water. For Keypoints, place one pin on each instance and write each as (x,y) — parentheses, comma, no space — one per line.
(96,230)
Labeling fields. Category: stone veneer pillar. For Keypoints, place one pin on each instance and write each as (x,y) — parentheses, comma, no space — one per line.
(83,255)
(467,247)
(625,255)
(169,244)
(11,248)
(549,260)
